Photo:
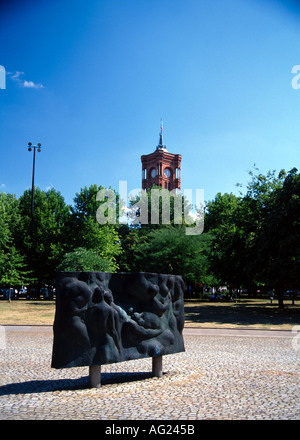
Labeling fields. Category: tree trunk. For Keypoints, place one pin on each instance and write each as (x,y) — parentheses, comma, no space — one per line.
(293,297)
(280,299)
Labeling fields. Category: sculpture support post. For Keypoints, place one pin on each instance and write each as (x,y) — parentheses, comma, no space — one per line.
(157,366)
(95,376)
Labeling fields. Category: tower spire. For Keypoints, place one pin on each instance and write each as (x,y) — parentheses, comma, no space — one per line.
(161,145)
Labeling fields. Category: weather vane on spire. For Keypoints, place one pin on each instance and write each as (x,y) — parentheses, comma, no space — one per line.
(161,125)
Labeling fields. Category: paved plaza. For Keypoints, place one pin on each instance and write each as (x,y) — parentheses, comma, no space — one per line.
(223,374)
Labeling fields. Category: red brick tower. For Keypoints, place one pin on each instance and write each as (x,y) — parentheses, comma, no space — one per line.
(161,168)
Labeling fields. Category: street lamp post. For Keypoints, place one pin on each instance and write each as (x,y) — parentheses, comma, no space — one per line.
(30,148)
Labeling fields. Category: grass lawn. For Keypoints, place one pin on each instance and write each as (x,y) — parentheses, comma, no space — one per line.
(256,314)
(27,312)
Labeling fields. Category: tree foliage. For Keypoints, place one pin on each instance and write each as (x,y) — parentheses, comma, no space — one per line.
(44,245)
(12,264)
(85,232)
(277,241)
(257,235)
(249,240)
(82,259)
(170,250)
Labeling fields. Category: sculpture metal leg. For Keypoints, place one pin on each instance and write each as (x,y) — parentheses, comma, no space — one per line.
(95,376)
(157,366)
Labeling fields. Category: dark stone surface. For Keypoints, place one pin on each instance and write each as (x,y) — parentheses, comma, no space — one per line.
(102,318)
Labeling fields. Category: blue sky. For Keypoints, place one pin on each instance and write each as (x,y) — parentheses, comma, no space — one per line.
(91,80)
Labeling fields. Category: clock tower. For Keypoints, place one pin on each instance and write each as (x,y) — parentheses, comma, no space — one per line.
(161,168)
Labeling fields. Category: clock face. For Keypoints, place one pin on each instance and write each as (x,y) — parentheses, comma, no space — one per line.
(153,172)
(167,172)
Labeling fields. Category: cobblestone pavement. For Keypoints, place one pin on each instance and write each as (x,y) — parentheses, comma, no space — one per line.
(231,375)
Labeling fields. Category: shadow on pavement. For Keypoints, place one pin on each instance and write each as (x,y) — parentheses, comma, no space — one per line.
(241,314)
(42,386)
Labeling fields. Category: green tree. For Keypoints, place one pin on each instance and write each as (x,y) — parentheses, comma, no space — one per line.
(45,248)
(85,232)
(156,240)
(130,237)
(13,270)
(9,216)
(170,250)
(277,239)
(85,260)
(223,220)
(258,197)
(256,236)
